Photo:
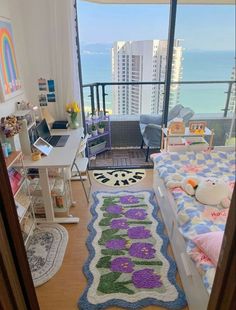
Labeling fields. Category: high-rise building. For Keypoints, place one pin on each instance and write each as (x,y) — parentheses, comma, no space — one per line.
(143,61)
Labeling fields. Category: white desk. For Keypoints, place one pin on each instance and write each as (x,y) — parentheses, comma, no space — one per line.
(59,157)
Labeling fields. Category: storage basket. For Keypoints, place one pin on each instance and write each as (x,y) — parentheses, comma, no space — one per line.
(97,148)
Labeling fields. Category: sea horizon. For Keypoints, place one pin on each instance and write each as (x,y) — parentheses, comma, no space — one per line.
(198,65)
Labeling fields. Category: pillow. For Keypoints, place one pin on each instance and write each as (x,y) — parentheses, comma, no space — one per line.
(210,244)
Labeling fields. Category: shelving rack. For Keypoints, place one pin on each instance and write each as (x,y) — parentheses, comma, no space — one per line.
(99,145)
(22,195)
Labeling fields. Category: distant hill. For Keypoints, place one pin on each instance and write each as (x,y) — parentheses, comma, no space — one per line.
(95,48)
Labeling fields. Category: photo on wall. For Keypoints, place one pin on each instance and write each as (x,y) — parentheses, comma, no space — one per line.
(51,86)
(43,100)
(42,83)
(51,97)
(10,83)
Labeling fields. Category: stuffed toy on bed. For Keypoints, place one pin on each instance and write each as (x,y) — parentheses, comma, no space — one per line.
(209,191)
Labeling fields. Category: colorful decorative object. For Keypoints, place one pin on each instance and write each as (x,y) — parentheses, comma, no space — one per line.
(10,84)
(128,264)
(197,127)
(177,127)
(10,126)
(73,109)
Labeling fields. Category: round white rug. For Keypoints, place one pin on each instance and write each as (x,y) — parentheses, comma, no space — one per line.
(45,251)
(119,177)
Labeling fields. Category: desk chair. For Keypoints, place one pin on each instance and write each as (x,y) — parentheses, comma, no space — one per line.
(80,166)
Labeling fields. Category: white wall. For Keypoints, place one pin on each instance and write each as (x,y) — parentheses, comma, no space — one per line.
(9,9)
(45,47)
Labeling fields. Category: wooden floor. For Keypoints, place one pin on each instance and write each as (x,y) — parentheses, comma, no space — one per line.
(63,290)
(122,158)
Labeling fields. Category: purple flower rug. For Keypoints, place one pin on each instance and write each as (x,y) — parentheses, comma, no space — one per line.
(128,264)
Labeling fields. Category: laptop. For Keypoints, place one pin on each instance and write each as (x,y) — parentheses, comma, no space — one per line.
(44,132)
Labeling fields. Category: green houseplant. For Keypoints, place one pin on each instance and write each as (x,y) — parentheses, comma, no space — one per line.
(101,127)
(94,130)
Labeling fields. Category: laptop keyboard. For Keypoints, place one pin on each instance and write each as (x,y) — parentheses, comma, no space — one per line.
(53,140)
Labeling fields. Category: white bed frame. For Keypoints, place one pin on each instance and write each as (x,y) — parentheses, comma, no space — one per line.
(195,291)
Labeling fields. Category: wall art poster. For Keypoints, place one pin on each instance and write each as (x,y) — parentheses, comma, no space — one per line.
(10,84)
(42,83)
(43,100)
(51,86)
(51,97)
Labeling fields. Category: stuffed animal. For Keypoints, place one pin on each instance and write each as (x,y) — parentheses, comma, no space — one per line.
(208,191)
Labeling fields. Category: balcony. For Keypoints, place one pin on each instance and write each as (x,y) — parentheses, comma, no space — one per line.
(125,133)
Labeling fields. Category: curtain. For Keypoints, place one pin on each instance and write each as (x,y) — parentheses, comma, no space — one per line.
(50,37)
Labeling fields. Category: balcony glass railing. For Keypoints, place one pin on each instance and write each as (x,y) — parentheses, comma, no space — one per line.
(129,98)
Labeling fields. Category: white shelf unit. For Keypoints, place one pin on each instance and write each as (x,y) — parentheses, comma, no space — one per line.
(18,179)
(61,195)
(186,141)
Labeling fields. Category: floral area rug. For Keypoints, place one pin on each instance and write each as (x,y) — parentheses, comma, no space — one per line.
(45,251)
(128,265)
(119,177)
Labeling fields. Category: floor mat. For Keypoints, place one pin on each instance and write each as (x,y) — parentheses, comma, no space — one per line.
(128,264)
(45,251)
(119,177)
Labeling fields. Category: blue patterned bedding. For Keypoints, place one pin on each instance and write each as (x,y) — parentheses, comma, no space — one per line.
(193,217)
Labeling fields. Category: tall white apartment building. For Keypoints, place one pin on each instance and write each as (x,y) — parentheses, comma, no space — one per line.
(143,61)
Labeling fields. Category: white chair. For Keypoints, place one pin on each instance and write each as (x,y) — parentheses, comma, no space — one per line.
(80,166)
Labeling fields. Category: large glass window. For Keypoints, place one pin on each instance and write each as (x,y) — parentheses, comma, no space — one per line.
(121,43)
(207,34)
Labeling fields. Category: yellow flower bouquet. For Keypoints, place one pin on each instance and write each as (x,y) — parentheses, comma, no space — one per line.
(73,109)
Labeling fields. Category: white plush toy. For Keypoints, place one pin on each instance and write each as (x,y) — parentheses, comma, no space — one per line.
(207,191)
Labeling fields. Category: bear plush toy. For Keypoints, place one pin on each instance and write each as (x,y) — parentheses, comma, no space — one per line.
(209,191)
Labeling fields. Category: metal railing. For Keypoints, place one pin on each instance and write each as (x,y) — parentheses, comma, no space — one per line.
(98,90)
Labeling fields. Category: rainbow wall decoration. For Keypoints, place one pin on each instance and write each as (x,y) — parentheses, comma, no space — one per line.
(9,74)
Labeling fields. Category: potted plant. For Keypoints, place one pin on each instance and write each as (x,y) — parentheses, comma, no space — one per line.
(94,130)
(101,127)
(73,109)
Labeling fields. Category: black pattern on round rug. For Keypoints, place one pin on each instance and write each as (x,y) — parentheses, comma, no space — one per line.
(119,177)
(45,251)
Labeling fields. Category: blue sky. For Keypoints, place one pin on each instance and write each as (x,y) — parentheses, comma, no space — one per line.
(201,27)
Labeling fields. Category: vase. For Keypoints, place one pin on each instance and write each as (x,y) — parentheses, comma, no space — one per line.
(94,133)
(73,120)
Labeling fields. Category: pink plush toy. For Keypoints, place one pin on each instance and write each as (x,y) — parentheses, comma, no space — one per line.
(209,191)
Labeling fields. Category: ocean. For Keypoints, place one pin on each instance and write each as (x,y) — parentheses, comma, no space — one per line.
(197,66)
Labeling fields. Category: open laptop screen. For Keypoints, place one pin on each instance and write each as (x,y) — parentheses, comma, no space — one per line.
(43,130)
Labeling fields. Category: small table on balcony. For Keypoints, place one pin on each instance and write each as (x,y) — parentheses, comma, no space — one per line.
(166,135)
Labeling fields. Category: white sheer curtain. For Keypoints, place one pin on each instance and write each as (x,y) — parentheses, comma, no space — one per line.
(50,37)
(64,62)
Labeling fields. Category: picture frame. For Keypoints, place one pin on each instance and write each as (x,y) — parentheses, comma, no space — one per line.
(177,127)
(10,82)
(43,146)
(196,126)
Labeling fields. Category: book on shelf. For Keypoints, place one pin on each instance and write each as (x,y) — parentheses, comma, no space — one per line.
(15,178)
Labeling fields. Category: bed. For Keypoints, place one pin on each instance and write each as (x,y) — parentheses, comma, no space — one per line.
(186,218)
